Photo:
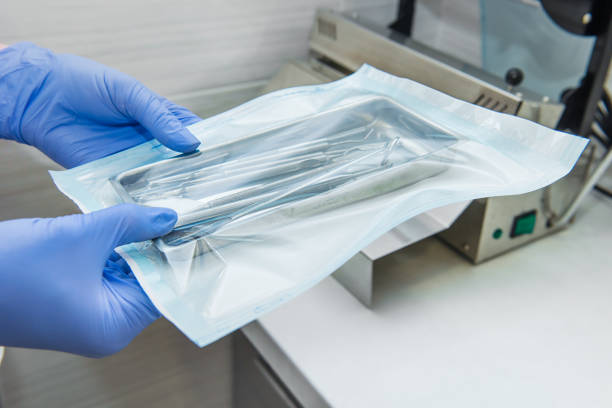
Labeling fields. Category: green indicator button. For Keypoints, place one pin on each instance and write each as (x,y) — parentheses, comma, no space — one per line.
(497,233)
(523,224)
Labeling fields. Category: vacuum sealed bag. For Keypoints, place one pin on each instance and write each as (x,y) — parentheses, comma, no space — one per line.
(286,188)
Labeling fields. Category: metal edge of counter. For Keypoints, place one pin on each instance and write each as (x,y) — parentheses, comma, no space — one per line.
(292,378)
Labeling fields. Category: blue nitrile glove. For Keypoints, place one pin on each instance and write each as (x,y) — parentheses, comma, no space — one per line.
(75,110)
(62,286)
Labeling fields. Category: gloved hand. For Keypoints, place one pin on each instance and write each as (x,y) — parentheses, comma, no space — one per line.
(76,110)
(62,286)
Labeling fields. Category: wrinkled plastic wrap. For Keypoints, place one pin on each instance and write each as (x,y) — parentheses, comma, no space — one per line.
(289,186)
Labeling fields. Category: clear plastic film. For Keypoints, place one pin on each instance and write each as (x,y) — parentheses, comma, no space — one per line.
(286,188)
(520,34)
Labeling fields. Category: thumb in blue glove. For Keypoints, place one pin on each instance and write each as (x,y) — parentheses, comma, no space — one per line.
(62,286)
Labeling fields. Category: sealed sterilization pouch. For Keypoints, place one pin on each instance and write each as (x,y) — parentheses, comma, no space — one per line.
(286,188)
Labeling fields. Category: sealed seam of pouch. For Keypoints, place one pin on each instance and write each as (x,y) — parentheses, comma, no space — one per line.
(286,188)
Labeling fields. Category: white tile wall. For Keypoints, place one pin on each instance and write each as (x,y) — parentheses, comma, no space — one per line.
(178,46)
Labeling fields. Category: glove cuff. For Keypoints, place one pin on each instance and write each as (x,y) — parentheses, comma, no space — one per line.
(23,68)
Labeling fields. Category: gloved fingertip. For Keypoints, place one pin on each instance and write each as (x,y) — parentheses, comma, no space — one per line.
(129,223)
(192,147)
(163,219)
(180,141)
(185,141)
(151,112)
